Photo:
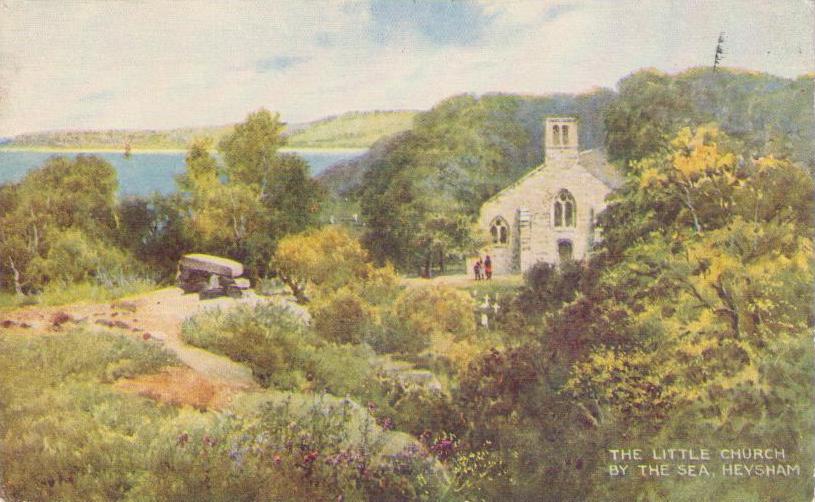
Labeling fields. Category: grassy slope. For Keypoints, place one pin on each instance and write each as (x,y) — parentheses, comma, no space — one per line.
(350,130)
(353,129)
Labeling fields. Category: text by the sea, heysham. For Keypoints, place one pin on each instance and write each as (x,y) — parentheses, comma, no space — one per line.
(700,462)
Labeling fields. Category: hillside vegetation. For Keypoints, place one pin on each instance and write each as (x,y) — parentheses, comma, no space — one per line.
(689,325)
(349,130)
(418,191)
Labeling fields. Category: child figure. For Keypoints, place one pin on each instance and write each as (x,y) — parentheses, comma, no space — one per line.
(477,269)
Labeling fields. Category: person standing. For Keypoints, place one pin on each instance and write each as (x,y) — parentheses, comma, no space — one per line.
(477,269)
(488,267)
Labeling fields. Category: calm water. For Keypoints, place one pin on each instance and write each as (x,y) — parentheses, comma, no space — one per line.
(145,173)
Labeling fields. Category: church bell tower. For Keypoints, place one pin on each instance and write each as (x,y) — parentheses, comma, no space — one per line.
(560,140)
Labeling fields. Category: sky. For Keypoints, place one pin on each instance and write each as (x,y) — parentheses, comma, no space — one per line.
(94,64)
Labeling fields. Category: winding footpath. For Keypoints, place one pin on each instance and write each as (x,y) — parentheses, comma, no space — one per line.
(156,317)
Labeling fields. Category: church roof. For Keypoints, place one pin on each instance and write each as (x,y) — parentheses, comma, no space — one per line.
(593,161)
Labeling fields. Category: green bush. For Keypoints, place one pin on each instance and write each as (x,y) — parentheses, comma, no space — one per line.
(418,313)
(345,370)
(344,317)
(436,309)
(269,338)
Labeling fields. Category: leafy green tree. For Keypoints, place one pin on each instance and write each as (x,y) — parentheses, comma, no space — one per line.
(242,208)
(650,107)
(153,229)
(251,151)
(64,201)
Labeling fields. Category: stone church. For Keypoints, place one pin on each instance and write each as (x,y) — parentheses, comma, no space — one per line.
(548,215)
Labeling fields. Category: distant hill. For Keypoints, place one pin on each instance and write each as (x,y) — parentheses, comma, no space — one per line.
(349,130)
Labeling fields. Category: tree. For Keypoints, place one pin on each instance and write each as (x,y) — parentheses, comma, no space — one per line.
(326,259)
(242,208)
(650,107)
(251,150)
(63,196)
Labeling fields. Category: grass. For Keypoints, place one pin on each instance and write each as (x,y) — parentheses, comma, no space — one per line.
(503,286)
(68,435)
(352,130)
(76,293)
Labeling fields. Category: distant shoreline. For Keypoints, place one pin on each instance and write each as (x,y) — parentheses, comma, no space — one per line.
(288,149)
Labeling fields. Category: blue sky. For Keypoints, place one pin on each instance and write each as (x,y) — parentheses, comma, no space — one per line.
(157,64)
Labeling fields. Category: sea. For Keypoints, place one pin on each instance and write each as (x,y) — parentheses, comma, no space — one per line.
(144,173)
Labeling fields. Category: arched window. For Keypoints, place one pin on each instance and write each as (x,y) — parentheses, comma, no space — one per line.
(564,250)
(565,132)
(499,230)
(565,210)
(556,134)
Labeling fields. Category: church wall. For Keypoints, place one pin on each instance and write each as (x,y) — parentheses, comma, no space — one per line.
(536,194)
(500,254)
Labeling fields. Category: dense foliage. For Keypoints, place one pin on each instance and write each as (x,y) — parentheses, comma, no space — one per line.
(420,191)
(689,325)
(59,226)
(419,196)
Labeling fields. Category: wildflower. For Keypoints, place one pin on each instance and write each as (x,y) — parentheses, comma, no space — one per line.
(443,448)
(386,423)
(182,439)
(310,457)
(236,454)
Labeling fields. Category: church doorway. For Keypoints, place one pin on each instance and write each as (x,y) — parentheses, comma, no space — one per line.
(564,250)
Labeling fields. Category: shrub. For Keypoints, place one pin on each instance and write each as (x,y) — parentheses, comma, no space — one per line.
(345,370)
(418,313)
(75,257)
(436,308)
(344,317)
(269,338)
(547,287)
(327,258)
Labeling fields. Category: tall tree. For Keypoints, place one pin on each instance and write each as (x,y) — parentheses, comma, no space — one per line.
(242,208)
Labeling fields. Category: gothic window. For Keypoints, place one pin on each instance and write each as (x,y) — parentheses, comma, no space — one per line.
(564,250)
(565,133)
(565,210)
(499,230)
(556,134)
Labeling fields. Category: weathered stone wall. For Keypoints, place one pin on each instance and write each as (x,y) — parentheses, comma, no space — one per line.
(535,195)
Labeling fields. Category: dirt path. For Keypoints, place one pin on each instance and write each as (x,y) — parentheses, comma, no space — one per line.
(461,280)
(156,317)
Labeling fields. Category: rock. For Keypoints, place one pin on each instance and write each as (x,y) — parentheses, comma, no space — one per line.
(124,305)
(61,318)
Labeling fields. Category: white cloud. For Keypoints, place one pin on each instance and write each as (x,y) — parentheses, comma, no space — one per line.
(140,64)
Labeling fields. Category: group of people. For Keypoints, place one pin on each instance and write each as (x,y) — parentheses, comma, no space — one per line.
(483,269)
